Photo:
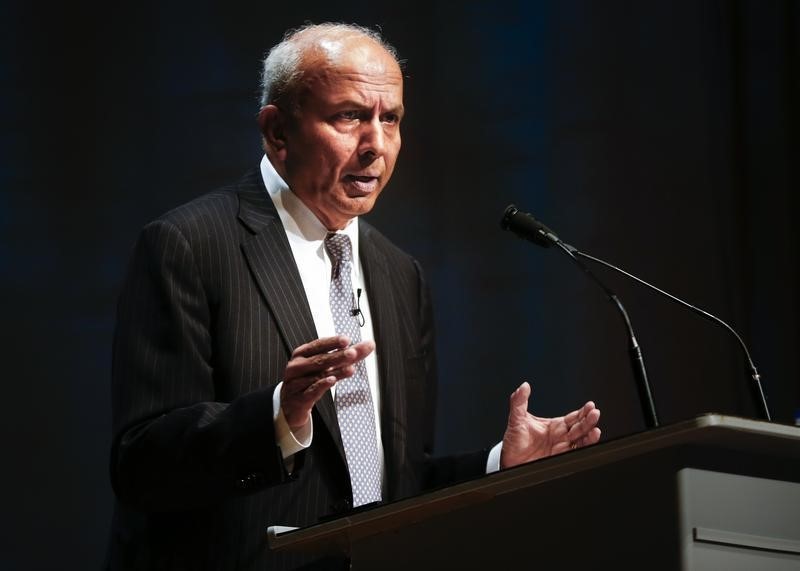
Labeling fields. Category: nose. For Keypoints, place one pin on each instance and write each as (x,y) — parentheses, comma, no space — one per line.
(373,140)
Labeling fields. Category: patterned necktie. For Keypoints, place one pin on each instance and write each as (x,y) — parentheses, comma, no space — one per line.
(353,398)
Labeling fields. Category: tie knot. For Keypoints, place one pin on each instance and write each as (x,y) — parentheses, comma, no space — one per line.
(339,248)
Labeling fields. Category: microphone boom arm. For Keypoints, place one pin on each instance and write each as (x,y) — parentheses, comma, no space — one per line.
(756,378)
(634,351)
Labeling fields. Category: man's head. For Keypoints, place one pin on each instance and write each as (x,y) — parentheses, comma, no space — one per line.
(330,117)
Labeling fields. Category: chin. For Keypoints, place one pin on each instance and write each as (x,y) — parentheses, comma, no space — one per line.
(357,206)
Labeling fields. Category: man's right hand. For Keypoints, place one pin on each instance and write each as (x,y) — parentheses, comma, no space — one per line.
(313,369)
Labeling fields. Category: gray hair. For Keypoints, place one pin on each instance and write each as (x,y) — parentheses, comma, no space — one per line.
(282,65)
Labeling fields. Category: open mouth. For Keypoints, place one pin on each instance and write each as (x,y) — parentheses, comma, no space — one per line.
(364,184)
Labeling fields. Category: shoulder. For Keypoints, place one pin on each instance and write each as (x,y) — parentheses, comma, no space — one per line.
(220,203)
(403,271)
(213,215)
(217,207)
(394,256)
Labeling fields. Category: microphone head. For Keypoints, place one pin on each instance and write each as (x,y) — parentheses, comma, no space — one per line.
(509,213)
(526,226)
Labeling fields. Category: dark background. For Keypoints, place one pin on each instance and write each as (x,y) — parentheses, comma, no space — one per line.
(660,135)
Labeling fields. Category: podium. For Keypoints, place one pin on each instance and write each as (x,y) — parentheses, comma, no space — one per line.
(714,492)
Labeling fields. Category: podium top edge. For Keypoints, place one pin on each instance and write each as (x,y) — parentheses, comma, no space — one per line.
(744,424)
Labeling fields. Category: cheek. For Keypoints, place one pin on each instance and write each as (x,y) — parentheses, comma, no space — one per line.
(328,163)
(336,145)
(322,150)
(391,158)
(396,142)
(344,149)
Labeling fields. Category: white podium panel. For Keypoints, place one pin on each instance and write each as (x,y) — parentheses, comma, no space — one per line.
(735,522)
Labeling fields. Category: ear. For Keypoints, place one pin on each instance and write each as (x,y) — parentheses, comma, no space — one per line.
(272,123)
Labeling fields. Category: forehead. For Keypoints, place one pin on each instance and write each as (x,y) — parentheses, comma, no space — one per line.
(356,65)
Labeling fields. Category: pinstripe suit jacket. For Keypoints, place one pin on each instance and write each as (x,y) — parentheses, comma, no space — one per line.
(210,311)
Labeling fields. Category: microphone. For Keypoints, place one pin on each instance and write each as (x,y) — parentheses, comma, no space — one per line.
(356,311)
(526,226)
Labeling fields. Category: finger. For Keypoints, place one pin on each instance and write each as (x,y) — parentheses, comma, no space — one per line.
(326,362)
(577,415)
(518,403)
(293,386)
(591,438)
(363,349)
(316,389)
(306,392)
(590,420)
(584,426)
(323,345)
(298,385)
(297,406)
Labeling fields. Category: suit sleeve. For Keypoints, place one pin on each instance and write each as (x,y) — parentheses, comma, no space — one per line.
(175,445)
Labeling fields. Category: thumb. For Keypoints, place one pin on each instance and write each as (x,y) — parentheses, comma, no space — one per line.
(518,403)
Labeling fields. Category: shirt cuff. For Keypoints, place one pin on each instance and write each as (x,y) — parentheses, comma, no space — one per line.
(290,442)
(493,461)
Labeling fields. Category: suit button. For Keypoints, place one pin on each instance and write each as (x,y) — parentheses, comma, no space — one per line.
(250,481)
(342,506)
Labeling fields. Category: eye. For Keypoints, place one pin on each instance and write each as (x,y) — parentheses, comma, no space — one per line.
(391,118)
(348,115)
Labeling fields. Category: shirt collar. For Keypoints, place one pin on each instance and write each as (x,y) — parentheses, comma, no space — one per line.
(300,223)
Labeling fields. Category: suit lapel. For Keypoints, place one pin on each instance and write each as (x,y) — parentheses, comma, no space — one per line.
(383,307)
(274,269)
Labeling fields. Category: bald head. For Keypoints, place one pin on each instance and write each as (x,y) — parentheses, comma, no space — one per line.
(308,49)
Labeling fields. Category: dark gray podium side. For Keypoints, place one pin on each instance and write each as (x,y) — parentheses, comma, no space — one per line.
(715,492)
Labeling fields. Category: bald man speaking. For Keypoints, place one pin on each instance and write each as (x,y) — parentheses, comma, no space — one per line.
(274,356)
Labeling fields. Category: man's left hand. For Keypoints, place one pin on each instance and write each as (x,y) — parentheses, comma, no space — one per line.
(529,437)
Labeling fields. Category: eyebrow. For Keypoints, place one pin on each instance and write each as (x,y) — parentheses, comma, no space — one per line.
(397,109)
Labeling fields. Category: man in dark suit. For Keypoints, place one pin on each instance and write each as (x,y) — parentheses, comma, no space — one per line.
(232,370)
